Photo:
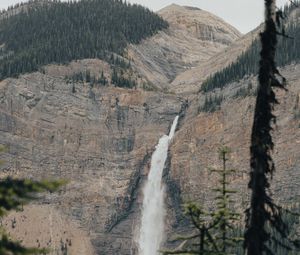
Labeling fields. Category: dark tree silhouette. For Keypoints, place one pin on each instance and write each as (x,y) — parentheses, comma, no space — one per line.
(262,210)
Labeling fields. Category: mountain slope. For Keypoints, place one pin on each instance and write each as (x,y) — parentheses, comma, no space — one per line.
(192,38)
(58,32)
(241,58)
(189,82)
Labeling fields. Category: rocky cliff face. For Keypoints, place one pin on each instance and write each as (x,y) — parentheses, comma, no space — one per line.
(101,139)
(195,146)
(98,139)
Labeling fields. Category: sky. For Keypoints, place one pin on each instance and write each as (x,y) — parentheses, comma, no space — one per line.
(245,15)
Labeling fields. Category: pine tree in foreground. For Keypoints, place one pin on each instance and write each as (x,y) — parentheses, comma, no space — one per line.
(213,232)
(263,216)
(225,217)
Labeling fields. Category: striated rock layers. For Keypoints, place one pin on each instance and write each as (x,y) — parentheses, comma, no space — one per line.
(195,146)
(101,144)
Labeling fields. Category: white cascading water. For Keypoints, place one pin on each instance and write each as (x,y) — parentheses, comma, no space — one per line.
(153,211)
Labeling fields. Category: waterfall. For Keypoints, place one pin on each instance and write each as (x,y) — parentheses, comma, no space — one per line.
(153,211)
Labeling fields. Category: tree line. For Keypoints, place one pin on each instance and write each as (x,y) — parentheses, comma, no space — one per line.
(58,32)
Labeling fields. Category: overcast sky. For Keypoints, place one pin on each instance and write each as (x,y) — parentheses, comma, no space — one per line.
(245,15)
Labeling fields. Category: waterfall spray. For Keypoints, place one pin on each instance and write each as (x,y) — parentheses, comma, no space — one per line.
(153,211)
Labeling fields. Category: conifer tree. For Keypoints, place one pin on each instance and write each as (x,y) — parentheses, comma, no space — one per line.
(263,211)
(224,215)
(213,230)
(47,33)
(201,241)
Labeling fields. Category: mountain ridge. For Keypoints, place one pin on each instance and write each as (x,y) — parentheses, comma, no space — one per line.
(182,46)
(191,81)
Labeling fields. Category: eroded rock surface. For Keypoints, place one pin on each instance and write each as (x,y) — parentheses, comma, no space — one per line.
(194,149)
(100,145)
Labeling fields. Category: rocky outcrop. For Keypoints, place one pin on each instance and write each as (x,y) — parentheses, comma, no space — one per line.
(190,81)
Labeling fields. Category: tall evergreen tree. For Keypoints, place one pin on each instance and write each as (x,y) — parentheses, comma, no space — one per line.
(224,216)
(262,210)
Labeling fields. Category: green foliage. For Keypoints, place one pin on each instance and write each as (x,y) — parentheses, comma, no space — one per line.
(119,62)
(102,80)
(8,247)
(201,241)
(224,216)
(88,78)
(58,32)
(220,232)
(15,193)
(248,62)
(289,245)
